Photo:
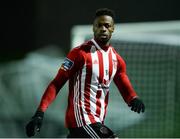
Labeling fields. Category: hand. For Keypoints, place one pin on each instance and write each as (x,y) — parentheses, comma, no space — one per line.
(35,124)
(137,105)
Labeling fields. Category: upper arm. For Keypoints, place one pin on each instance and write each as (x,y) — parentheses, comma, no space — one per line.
(73,62)
(121,67)
(122,81)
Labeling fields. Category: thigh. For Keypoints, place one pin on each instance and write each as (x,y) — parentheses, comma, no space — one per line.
(79,132)
(103,131)
(96,130)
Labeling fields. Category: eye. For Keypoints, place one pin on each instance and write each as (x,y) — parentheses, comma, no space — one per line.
(99,25)
(107,25)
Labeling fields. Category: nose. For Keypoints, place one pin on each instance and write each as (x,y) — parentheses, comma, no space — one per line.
(103,28)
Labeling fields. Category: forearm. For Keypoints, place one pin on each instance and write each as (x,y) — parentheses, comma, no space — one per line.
(48,96)
(125,87)
(52,90)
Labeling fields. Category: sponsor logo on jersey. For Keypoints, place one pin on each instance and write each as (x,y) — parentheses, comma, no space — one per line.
(67,64)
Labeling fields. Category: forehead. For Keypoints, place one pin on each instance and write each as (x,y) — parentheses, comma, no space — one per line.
(104,19)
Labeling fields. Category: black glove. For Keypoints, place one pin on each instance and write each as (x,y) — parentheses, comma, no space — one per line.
(35,123)
(137,105)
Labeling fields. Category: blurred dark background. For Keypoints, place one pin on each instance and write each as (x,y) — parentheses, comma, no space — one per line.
(27,25)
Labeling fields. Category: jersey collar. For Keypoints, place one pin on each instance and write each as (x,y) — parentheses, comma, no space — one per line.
(97,45)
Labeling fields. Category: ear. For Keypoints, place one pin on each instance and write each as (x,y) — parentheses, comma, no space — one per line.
(113,28)
(93,28)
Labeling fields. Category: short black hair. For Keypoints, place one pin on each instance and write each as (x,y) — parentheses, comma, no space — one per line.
(104,11)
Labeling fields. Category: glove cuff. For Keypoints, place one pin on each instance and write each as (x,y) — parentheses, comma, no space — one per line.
(39,114)
(132,99)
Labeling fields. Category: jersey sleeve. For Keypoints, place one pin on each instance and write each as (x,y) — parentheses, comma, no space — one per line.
(122,81)
(72,63)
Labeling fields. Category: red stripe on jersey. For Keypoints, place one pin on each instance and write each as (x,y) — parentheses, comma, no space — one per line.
(106,103)
(98,103)
(87,87)
(101,67)
(110,64)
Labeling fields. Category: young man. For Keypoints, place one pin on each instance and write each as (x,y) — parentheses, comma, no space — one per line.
(90,68)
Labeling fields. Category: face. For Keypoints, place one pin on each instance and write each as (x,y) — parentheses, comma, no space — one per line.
(103,28)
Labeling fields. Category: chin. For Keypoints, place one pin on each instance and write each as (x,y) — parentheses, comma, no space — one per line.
(104,41)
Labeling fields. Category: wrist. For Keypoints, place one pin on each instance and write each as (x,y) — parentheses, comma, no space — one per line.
(39,114)
(132,99)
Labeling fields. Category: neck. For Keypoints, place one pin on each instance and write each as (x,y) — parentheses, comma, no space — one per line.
(103,45)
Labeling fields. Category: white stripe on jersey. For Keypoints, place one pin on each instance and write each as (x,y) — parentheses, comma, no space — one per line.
(106,77)
(83,78)
(114,69)
(94,81)
(106,64)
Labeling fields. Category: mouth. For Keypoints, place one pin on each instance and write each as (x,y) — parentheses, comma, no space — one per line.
(103,36)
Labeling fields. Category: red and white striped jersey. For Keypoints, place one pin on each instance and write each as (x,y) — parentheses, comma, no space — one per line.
(90,70)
